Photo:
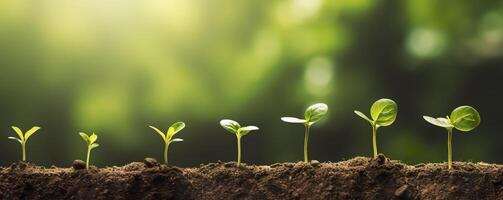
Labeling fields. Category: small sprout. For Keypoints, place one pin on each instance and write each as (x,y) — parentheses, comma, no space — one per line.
(313,114)
(383,113)
(90,140)
(463,118)
(23,137)
(236,129)
(168,136)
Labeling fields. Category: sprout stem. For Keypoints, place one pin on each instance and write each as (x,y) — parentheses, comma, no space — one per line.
(88,155)
(374,139)
(23,146)
(449,148)
(306,141)
(239,150)
(166,146)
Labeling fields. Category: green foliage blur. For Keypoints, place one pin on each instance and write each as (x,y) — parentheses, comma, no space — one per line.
(115,67)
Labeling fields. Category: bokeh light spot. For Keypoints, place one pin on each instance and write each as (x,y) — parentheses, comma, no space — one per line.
(426,43)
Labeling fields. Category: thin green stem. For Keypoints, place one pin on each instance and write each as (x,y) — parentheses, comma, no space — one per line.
(239,150)
(23,146)
(306,141)
(374,139)
(449,148)
(88,155)
(166,146)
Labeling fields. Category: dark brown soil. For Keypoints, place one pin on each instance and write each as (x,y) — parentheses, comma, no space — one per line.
(358,178)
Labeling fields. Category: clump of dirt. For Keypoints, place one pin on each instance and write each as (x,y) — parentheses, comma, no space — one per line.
(133,181)
(358,178)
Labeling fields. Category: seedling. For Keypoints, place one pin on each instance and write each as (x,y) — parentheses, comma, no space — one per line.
(383,113)
(463,118)
(236,129)
(168,136)
(23,137)
(313,114)
(90,140)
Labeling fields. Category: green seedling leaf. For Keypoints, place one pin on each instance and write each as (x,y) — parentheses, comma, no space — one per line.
(245,130)
(230,125)
(19,132)
(384,112)
(177,140)
(465,118)
(167,137)
(315,112)
(95,145)
(178,126)
(85,137)
(293,120)
(441,122)
(23,137)
(234,127)
(362,116)
(170,133)
(31,132)
(90,141)
(93,138)
(160,133)
(17,139)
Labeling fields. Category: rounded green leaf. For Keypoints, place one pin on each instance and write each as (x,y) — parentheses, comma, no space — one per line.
(384,112)
(247,129)
(293,120)
(93,138)
(230,125)
(465,118)
(315,112)
(178,126)
(441,122)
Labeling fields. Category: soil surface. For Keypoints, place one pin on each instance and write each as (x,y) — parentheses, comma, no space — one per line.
(358,178)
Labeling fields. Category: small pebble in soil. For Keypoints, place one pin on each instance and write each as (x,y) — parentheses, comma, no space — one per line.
(78,164)
(150,162)
(315,163)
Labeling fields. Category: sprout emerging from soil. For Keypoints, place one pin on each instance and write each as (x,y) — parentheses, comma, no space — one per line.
(236,129)
(23,137)
(383,113)
(168,136)
(463,118)
(313,114)
(90,140)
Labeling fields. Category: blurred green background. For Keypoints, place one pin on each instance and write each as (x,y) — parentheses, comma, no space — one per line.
(116,66)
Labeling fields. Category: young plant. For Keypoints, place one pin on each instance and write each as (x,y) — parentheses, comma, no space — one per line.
(313,114)
(383,113)
(23,137)
(236,129)
(463,118)
(90,140)
(168,136)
